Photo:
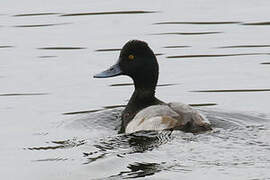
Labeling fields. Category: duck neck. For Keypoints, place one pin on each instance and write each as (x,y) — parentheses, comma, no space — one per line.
(145,87)
(143,96)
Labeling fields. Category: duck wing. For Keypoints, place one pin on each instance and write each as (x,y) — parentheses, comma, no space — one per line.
(193,120)
(157,117)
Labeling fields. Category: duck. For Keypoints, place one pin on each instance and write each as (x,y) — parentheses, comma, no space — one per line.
(144,111)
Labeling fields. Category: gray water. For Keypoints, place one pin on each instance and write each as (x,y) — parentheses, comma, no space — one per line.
(57,122)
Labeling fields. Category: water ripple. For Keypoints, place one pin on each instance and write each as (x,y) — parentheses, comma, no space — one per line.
(46,57)
(109,13)
(187,33)
(82,112)
(176,47)
(61,48)
(6,47)
(200,22)
(266,63)
(257,24)
(39,25)
(246,46)
(215,55)
(70,143)
(111,49)
(35,14)
(50,159)
(204,104)
(233,90)
(24,94)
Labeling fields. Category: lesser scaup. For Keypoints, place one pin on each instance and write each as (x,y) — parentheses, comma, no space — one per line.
(144,111)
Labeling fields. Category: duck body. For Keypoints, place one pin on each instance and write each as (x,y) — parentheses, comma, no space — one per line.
(144,111)
(168,116)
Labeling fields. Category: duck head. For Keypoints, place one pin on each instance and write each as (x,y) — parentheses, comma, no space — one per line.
(137,61)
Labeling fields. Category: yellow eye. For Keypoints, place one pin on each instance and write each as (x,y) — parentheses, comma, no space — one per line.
(131,57)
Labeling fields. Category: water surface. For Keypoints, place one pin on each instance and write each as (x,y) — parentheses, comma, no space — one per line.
(57,122)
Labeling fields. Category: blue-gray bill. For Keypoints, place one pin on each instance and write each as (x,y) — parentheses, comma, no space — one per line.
(111,72)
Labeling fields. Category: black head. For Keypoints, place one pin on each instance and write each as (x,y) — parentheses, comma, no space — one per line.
(137,61)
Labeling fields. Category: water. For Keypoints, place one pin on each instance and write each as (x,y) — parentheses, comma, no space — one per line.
(58,122)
